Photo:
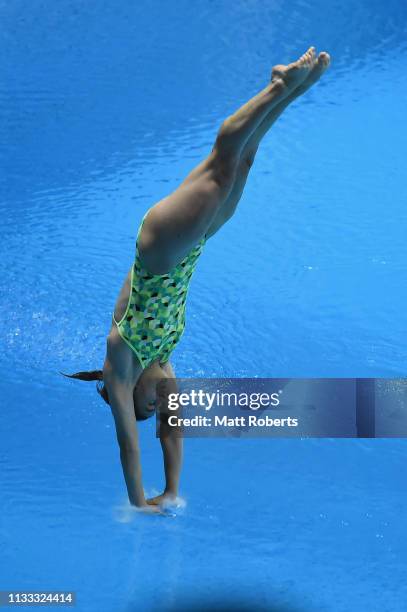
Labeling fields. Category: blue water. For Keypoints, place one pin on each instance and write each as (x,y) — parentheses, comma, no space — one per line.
(105,107)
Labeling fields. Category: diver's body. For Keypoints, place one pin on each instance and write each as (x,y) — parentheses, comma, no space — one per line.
(169,242)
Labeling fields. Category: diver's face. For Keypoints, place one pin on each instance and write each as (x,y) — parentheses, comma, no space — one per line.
(146,394)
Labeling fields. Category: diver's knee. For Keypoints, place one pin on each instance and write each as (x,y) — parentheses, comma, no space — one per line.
(224,167)
(248,158)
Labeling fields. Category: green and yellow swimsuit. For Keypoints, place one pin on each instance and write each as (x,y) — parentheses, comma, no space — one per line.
(154,319)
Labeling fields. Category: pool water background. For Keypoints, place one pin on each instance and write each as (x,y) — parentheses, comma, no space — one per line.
(105,108)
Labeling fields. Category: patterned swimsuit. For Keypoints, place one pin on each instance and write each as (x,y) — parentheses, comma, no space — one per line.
(154,319)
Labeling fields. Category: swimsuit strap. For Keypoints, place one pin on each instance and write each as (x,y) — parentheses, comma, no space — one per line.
(139,229)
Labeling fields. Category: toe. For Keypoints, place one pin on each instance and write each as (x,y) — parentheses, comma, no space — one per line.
(311,56)
(321,64)
(303,59)
(324,58)
(314,56)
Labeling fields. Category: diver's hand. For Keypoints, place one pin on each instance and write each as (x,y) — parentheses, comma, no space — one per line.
(163,499)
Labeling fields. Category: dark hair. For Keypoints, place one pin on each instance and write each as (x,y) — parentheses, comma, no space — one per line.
(100,386)
(89,376)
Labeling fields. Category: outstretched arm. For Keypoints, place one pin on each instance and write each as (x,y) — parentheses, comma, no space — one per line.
(121,403)
(120,376)
(171,444)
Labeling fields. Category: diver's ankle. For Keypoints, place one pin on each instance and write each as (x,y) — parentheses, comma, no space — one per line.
(170,492)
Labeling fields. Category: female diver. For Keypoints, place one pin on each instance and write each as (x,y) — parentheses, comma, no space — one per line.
(148,319)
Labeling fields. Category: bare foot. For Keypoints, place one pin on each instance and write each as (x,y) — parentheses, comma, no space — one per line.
(295,73)
(163,499)
(314,75)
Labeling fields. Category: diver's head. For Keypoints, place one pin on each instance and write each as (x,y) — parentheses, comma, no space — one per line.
(146,393)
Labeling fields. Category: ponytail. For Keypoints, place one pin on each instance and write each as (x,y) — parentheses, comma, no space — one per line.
(89,376)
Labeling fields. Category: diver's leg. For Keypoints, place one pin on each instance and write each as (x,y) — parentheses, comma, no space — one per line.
(177,222)
(237,129)
(250,149)
(253,142)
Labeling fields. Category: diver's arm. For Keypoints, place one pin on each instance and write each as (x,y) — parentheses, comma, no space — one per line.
(170,438)
(121,403)
(130,459)
(171,444)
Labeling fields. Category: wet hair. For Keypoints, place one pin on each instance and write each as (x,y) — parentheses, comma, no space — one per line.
(100,386)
